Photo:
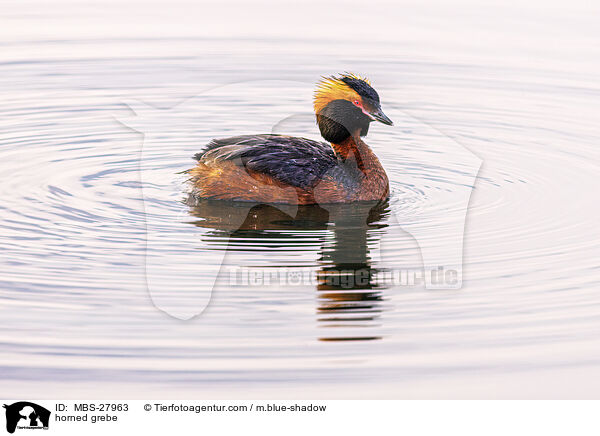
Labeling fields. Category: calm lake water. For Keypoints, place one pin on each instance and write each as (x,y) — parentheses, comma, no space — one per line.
(101,257)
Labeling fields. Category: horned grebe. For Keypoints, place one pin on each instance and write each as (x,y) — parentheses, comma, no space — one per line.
(271,168)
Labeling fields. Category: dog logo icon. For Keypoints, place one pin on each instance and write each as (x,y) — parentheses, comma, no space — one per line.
(26,415)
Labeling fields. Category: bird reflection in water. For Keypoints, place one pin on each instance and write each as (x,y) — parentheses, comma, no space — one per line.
(349,298)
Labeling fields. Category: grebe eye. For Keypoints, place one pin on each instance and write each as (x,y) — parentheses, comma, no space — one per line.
(356,103)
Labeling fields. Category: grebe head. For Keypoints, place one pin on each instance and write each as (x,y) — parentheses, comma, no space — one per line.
(345,105)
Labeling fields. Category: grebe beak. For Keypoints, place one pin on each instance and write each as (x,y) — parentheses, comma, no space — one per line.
(378,115)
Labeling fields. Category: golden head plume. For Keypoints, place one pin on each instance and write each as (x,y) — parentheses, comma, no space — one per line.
(334,88)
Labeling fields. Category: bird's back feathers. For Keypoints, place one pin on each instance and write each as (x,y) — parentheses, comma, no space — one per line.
(294,161)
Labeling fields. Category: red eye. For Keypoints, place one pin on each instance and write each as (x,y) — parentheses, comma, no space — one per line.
(357,103)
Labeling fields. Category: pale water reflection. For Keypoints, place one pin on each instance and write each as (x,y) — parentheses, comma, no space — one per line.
(347,297)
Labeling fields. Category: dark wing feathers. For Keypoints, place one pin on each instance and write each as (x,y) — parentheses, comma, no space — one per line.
(295,161)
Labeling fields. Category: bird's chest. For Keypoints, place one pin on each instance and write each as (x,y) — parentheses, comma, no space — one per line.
(348,182)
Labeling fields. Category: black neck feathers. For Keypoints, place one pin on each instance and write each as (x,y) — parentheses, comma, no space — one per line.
(339,119)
